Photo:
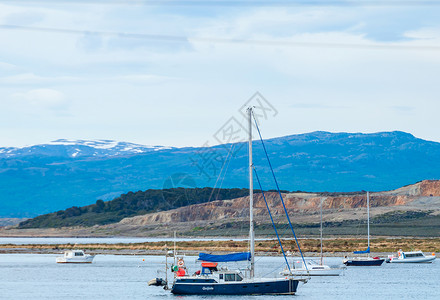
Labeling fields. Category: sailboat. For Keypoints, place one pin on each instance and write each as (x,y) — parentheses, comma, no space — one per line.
(213,280)
(365,261)
(314,268)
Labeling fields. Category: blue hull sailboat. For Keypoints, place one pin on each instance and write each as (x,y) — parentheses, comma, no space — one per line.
(269,287)
(212,280)
(365,261)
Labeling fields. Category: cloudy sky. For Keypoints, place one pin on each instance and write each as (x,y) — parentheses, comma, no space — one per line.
(163,73)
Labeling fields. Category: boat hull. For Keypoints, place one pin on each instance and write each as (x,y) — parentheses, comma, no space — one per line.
(426,259)
(85,260)
(328,272)
(276,287)
(366,262)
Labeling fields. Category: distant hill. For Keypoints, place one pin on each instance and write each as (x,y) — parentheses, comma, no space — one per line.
(130,204)
(10,221)
(412,210)
(46,178)
(421,196)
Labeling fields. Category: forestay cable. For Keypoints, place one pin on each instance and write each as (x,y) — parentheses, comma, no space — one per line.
(271,219)
(279,193)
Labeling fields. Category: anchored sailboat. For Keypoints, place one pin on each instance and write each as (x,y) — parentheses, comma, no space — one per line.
(365,261)
(213,280)
(317,269)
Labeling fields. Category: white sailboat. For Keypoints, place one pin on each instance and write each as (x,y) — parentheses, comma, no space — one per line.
(314,268)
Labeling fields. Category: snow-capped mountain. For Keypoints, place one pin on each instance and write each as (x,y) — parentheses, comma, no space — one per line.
(79,148)
(45,178)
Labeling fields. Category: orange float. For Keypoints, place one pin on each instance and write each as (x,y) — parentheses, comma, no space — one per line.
(181,272)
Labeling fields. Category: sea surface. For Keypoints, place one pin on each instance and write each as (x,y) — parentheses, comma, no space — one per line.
(37,276)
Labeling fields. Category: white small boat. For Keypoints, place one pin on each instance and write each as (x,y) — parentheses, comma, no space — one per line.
(411,257)
(75,256)
(315,269)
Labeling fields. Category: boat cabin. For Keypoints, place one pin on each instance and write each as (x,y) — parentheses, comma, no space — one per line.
(411,254)
(211,274)
(74,253)
(230,276)
(209,268)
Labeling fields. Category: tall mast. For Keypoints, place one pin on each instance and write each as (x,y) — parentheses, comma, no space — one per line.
(321,232)
(368,219)
(174,253)
(251,198)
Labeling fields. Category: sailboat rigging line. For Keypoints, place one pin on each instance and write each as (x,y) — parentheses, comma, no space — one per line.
(279,193)
(273,270)
(271,219)
(220,174)
(227,167)
(228,159)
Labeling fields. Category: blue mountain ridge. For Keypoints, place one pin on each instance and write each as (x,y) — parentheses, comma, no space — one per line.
(45,178)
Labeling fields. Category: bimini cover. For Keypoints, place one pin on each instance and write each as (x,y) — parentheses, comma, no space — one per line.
(361,252)
(225,258)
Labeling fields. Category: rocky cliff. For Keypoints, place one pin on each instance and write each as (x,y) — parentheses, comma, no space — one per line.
(423,195)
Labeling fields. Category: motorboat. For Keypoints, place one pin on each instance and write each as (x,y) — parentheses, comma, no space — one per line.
(75,256)
(411,257)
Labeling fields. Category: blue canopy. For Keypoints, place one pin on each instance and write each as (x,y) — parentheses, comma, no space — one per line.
(361,252)
(225,258)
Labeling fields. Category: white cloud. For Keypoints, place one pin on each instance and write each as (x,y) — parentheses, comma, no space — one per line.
(42,98)
(164,92)
(7,66)
(426,34)
(33,79)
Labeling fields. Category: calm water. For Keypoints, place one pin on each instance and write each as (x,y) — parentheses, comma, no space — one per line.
(37,276)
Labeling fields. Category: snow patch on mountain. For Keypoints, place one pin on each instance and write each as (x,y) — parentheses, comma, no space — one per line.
(98,144)
(80,148)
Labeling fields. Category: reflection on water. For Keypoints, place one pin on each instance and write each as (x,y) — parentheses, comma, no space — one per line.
(37,276)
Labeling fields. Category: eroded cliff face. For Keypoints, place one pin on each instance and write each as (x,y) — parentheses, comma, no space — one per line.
(304,203)
(430,188)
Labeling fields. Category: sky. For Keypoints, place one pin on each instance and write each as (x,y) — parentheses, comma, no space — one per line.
(173,73)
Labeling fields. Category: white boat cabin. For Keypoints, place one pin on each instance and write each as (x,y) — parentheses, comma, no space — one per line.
(75,256)
(404,255)
(74,253)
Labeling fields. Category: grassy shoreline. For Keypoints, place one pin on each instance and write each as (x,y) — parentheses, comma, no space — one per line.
(332,247)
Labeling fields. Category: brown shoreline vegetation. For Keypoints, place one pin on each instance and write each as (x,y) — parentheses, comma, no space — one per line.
(332,247)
